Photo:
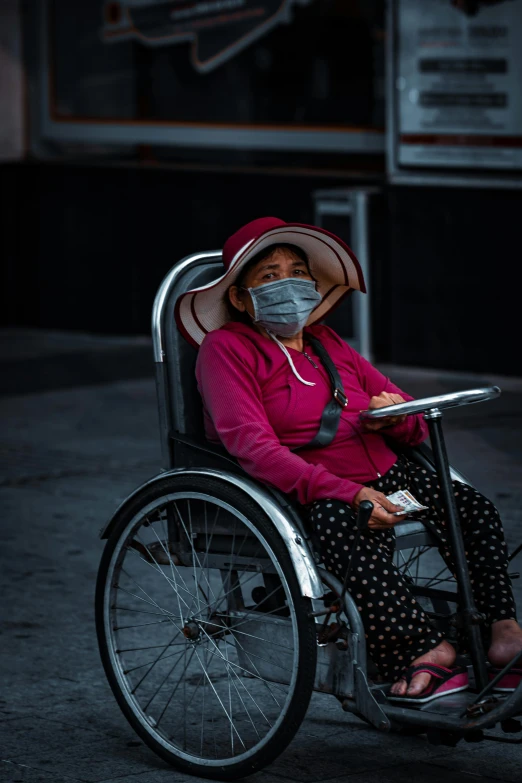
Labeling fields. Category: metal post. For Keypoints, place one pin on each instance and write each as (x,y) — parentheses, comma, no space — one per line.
(352,204)
(471,617)
(162,396)
(362,251)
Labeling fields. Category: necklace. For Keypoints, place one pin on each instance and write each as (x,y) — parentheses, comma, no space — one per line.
(310,360)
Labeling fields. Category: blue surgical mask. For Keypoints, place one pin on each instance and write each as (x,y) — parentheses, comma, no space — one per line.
(284,306)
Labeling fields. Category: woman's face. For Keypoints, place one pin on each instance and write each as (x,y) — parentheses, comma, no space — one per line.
(280,264)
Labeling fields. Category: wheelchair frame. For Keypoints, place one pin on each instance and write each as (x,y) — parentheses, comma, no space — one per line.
(468,715)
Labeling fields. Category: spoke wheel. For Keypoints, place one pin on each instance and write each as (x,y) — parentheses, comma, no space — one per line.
(204,635)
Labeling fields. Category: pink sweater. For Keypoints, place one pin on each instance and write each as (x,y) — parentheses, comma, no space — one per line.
(259,410)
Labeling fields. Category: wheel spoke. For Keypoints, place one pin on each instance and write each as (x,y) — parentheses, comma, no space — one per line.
(227,667)
(157,567)
(247,671)
(249,654)
(175,689)
(233,629)
(205,560)
(437,580)
(221,596)
(140,611)
(163,612)
(203,714)
(233,728)
(172,566)
(195,595)
(238,678)
(151,601)
(160,686)
(256,608)
(210,639)
(139,625)
(414,557)
(152,647)
(141,665)
(183,716)
(430,581)
(260,657)
(209,540)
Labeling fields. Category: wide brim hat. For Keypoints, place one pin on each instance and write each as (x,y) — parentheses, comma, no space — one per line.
(332,264)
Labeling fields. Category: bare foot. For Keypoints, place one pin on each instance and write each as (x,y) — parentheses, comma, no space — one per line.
(442,655)
(506,642)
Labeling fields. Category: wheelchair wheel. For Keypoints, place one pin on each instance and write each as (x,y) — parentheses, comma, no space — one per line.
(204,635)
(424,567)
(431,582)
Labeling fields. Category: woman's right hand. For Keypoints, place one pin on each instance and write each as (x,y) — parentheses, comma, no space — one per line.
(382,517)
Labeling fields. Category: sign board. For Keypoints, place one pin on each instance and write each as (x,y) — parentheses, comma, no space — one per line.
(218,29)
(455,86)
(284,92)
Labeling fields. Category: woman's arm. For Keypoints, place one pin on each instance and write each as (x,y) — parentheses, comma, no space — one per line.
(413,429)
(227,382)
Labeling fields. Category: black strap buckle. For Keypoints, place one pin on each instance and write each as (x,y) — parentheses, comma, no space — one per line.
(340,397)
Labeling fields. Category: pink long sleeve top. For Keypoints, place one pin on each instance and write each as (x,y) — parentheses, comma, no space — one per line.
(260,411)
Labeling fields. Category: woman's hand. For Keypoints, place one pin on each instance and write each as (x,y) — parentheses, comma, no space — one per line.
(382,517)
(381,401)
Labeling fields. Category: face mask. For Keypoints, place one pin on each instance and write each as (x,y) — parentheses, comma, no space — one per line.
(284,306)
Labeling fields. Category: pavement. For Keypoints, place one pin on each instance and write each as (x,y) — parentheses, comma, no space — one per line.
(78,434)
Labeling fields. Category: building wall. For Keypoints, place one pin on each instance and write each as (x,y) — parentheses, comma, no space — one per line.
(85,247)
(455,258)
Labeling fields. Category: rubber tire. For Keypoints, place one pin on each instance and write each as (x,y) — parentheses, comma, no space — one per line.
(297,707)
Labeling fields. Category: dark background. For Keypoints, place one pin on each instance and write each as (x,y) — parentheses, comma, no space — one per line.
(88,231)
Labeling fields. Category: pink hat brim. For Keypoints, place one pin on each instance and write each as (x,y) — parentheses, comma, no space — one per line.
(332,263)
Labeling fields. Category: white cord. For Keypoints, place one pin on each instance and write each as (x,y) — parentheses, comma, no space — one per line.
(283,348)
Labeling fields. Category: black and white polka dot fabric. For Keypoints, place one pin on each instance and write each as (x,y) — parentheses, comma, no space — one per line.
(397,629)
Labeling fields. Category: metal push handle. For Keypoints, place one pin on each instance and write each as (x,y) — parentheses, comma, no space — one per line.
(363,514)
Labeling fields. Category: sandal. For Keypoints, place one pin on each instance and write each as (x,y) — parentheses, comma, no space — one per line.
(443,681)
(509,682)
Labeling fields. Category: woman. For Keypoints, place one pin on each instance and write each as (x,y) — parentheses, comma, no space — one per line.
(265,387)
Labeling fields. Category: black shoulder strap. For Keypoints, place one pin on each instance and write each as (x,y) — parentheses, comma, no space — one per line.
(334,407)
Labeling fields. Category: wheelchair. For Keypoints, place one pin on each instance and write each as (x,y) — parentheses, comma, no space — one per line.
(215,619)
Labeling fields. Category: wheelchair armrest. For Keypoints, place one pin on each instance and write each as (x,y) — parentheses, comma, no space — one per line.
(422,455)
(191,452)
(195,453)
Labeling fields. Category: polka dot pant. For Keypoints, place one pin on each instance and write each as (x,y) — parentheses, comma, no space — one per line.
(397,629)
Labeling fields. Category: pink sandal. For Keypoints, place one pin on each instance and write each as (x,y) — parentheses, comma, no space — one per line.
(443,681)
(509,682)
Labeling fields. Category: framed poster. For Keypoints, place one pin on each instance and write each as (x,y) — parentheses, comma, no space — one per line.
(454,93)
(291,75)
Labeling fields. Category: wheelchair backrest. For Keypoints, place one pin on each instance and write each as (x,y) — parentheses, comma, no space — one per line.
(178,399)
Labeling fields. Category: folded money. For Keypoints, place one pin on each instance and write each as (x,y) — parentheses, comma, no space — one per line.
(405,499)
